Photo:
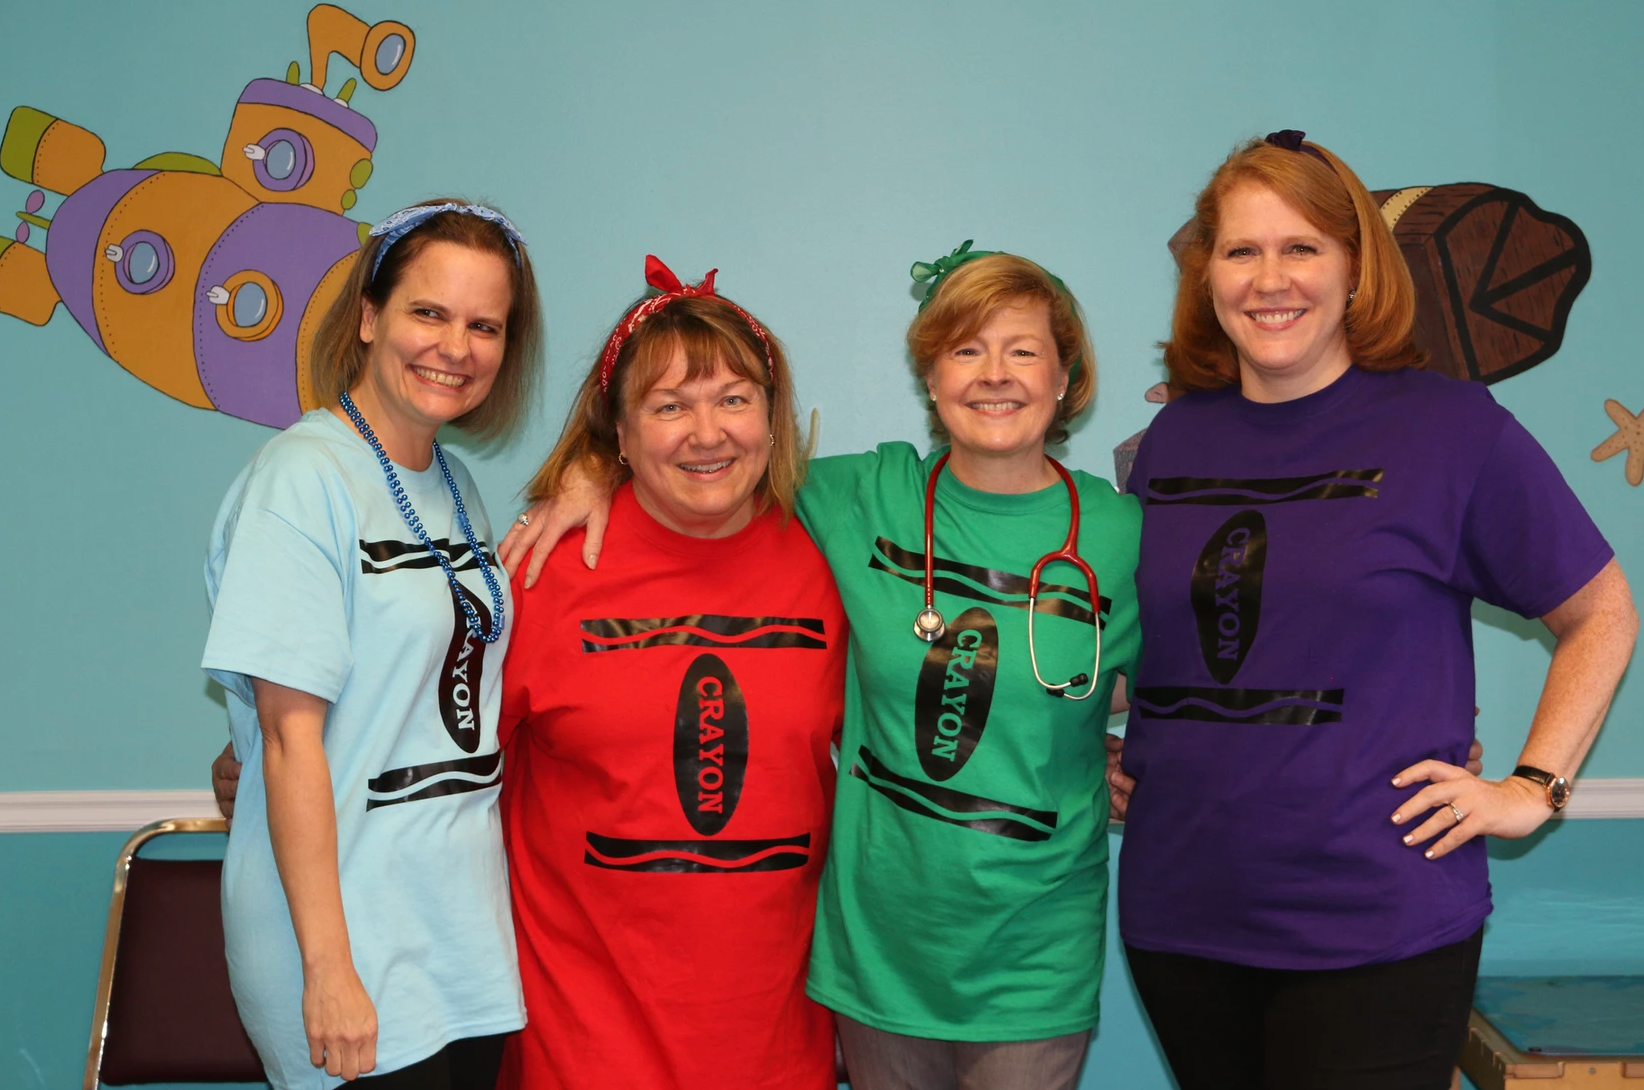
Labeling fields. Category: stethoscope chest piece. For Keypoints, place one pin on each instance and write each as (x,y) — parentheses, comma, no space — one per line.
(929,625)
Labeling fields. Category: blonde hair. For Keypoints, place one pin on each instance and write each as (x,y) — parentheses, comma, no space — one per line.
(712,335)
(1380,321)
(339,356)
(968,296)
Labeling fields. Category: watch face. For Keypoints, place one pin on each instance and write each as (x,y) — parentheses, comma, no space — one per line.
(1558,793)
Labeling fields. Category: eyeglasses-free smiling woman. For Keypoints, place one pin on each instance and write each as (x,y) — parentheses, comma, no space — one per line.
(358,624)
(1304,880)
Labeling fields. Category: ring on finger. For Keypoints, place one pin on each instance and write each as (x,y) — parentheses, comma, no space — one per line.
(524,519)
(1460,817)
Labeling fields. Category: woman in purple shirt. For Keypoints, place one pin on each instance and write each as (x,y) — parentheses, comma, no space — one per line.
(1320,514)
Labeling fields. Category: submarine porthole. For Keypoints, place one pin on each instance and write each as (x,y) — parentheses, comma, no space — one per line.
(385,55)
(286,163)
(281,159)
(145,264)
(252,308)
(142,262)
(389,53)
(250,303)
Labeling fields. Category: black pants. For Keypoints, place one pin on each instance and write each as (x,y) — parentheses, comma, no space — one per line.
(467,1064)
(1396,1026)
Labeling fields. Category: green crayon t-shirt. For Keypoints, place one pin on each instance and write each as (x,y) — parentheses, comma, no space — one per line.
(965,892)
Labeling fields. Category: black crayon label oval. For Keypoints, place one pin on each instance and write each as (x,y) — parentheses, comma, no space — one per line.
(461,675)
(1227,592)
(955,691)
(710,744)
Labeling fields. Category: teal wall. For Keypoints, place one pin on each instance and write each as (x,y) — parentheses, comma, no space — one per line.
(811,152)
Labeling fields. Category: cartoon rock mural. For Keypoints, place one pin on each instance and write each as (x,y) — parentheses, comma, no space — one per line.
(206,279)
(1495,279)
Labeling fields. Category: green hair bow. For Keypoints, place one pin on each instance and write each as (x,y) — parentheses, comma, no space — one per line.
(932,272)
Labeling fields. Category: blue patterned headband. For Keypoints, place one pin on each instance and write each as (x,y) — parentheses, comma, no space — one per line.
(406,220)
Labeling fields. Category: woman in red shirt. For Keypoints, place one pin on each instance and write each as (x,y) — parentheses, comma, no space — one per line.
(668,720)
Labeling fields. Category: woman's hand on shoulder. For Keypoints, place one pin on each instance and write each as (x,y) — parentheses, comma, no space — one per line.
(1508,808)
(582,501)
(340,1021)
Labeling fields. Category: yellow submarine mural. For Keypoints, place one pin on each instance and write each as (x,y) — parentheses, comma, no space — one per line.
(206,280)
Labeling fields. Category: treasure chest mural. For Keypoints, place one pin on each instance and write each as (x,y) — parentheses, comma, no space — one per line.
(207,279)
(1495,275)
(1495,278)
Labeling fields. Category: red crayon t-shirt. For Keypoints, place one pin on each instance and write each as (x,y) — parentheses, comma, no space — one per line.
(667,791)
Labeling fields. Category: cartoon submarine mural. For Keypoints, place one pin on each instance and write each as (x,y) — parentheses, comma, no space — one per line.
(207,280)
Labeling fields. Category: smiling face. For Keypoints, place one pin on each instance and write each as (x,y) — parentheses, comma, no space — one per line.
(996,392)
(1279,286)
(698,449)
(435,345)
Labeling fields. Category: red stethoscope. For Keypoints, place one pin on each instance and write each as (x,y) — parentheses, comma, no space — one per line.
(929,624)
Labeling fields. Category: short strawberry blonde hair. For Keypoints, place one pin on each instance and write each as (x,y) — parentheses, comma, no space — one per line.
(713,334)
(967,297)
(1380,320)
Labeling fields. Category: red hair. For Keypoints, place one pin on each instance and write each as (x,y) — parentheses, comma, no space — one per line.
(1381,318)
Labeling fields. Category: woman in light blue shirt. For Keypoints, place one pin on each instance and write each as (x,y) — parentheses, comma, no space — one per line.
(359,624)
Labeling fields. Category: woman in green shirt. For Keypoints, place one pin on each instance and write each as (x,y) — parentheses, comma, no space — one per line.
(961,924)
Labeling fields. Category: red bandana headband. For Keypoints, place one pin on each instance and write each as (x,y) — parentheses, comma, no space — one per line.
(662,278)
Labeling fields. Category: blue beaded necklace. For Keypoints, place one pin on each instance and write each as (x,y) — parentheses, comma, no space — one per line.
(397,490)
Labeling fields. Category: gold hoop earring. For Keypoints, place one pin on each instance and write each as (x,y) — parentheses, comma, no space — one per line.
(773,438)
(622,458)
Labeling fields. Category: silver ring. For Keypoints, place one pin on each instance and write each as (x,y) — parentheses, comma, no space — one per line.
(524,519)
(1460,817)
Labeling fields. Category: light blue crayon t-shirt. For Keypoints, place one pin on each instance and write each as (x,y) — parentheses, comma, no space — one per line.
(316,583)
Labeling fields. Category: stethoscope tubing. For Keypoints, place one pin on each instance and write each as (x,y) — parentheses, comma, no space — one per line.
(930,626)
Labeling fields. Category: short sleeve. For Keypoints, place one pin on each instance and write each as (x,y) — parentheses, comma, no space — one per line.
(830,487)
(1526,544)
(278,610)
(1134,478)
(1120,518)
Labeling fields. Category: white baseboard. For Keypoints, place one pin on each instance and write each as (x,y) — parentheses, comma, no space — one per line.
(1594,798)
(125,811)
(97,811)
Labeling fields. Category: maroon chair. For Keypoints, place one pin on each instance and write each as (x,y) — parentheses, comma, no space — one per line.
(164,1012)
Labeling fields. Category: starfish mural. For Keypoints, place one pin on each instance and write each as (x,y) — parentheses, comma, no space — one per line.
(1629,437)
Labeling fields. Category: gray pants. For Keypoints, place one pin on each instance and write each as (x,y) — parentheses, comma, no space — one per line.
(881,1060)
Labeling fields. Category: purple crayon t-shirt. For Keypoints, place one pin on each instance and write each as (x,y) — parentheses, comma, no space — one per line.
(1306,581)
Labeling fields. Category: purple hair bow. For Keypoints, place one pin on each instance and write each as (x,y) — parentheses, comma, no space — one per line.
(1291,140)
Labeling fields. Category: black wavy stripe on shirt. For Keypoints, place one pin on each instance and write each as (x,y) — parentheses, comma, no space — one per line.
(398,779)
(638,633)
(438,789)
(691,856)
(382,557)
(1339,484)
(1012,828)
(1002,581)
(488,765)
(947,797)
(1209,704)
